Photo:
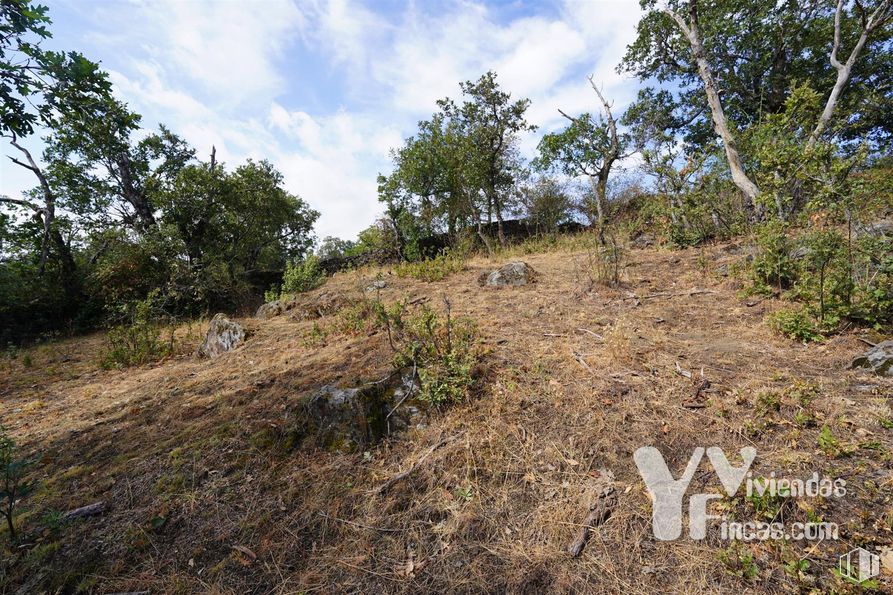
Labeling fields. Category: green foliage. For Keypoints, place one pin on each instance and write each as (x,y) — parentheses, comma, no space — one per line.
(795,324)
(461,166)
(547,204)
(431,269)
(827,442)
(15,487)
(773,265)
(139,339)
(443,351)
(36,84)
(303,275)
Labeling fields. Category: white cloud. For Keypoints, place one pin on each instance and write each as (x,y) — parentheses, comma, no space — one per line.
(219,72)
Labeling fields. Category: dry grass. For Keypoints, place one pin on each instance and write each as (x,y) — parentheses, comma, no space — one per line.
(190,454)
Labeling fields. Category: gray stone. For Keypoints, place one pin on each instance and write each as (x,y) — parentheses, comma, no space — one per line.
(270,309)
(878,229)
(511,274)
(223,335)
(879,359)
(643,240)
(376,285)
(345,419)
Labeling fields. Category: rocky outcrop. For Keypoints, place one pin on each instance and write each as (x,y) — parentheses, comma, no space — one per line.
(512,274)
(223,335)
(270,309)
(879,359)
(345,419)
(325,304)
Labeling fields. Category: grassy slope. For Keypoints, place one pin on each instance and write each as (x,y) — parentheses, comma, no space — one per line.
(203,494)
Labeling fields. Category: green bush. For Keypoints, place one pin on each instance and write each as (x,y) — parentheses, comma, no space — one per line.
(432,269)
(138,340)
(441,349)
(301,276)
(444,352)
(795,324)
(773,265)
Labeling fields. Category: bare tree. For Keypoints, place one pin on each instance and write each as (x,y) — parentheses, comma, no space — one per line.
(690,29)
(869,23)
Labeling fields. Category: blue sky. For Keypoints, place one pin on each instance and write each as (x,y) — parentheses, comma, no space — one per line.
(324,89)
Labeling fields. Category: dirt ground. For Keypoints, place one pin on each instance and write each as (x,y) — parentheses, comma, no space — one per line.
(204,492)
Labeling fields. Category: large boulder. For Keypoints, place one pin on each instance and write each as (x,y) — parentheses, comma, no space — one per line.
(270,309)
(511,274)
(879,359)
(223,335)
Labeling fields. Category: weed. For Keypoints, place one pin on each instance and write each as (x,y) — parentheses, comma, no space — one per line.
(301,276)
(139,341)
(739,562)
(795,324)
(431,269)
(827,442)
(14,487)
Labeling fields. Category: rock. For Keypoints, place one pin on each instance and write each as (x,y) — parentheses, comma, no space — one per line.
(223,335)
(376,285)
(325,304)
(511,274)
(878,229)
(270,309)
(723,270)
(800,252)
(346,419)
(879,359)
(643,240)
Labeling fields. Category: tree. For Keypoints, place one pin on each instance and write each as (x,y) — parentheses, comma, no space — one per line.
(36,84)
(869,23)
(36,87)
(462,166)
(491,122)
(738,61)
(590,147)
(547,204)
(97,150)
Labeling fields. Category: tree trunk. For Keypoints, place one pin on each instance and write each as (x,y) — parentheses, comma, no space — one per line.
(845,70)
(720,124)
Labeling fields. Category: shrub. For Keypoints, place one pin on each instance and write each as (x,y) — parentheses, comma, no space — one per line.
(14,487)
(795,324)
(441,349)
(139,340)
(773,265)
(301,276)
(431,269)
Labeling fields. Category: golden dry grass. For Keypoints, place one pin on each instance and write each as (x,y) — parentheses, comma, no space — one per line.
(203,497)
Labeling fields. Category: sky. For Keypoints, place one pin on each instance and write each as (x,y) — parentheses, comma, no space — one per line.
(325,89)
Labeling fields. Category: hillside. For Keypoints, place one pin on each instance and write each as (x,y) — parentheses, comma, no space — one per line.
(205,488)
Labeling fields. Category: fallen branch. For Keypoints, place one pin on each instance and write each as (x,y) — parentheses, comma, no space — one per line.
(84,511)
(598,514)
(580,360)
(404,474)
(596,335)
(553,335)
(688,293)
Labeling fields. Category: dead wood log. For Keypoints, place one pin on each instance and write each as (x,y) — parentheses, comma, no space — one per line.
(599,511)
(94,509)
